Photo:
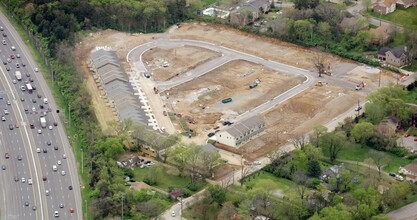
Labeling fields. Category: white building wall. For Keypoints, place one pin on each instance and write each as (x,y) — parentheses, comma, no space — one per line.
(225,138)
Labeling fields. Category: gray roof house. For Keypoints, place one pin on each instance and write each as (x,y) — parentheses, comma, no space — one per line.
(249,11)
(242,132)
(398,56)
(115,83)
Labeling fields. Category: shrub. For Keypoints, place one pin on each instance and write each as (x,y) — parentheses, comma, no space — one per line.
(399,151)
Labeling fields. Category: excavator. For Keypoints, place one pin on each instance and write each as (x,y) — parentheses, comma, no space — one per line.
(360,86)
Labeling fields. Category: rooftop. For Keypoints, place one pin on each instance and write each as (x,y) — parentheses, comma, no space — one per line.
(411,167)
(116,84)
(239,129)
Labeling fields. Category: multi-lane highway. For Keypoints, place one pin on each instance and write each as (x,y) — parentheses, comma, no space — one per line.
(32,150)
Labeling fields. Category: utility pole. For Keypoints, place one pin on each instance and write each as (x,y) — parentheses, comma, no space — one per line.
(379,81)
(86,209)
(82,160)
(69,115)
(122,204)
(181,207)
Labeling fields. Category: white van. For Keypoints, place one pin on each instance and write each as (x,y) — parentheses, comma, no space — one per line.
(54,168)
(45,101)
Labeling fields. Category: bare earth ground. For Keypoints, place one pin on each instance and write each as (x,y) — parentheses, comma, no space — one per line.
(200,100)
(299,115)
(179,60)
(265,47)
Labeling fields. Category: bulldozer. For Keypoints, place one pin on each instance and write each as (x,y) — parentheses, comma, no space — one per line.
(254,84)
(319,83)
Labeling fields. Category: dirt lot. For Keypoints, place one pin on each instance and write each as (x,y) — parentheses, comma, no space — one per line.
(200,100)
(316,105)
(168,63)
(299,115)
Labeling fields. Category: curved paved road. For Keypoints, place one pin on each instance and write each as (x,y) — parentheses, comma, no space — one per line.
(228,54)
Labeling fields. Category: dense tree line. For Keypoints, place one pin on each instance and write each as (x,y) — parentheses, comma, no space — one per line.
(58,21)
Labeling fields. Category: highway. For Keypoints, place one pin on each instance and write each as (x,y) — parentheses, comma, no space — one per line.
(49,189)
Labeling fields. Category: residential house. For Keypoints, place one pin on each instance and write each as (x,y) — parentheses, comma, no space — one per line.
(410,172)
(240,133)
(385,6)
(398,56)
(406,3)
(249,11)
(331,172)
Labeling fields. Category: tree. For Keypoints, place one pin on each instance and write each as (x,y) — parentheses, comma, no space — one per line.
(366,4)
(339,212)
(121,128)
(299,141)
(342,181)
(217,193)
(227,212)
(324,29)
(389,98)
(305,4)
(313,168)
(333,143)
(312,152)
(361,40)
(112,147)
(303,29)
(362,132)
(301,180)
(180,156)
(318,132)
(380,160)
(299,161)
(374,113)
(210,161)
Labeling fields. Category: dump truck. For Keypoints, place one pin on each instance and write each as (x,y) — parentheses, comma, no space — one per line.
(18,75)
(43,122)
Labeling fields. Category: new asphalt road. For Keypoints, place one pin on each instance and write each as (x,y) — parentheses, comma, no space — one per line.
(228,54)
(32,150)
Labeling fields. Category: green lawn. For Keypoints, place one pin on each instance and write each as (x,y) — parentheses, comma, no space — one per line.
(164,179)
(357,153)
(287,186)
(406,17)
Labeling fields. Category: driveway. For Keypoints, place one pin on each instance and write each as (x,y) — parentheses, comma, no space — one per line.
(408,212)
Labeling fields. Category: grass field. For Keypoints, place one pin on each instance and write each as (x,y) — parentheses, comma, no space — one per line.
(357,153)
(280,185)
(164,179)
(405,17)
